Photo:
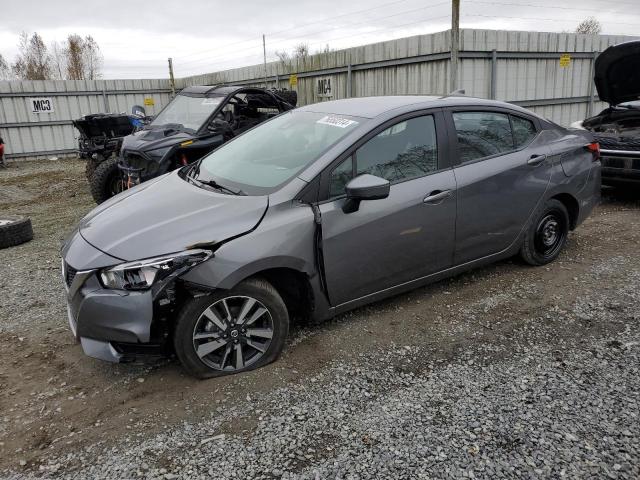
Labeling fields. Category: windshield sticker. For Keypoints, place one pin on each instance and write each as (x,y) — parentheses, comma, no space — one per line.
(336,121)
(210,101)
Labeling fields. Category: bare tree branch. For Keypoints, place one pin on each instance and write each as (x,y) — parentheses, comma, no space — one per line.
(589,25)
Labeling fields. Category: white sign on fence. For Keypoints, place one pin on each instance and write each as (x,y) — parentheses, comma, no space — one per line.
(323,88)
(42,105)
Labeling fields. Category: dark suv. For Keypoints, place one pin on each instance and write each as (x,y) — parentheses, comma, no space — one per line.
(617,128)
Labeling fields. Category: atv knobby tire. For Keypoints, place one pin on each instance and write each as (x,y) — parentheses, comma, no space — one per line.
(90,167)
(106,181)
(14,230)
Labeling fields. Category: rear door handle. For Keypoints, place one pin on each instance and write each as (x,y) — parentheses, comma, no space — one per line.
(536,160)
(436,196)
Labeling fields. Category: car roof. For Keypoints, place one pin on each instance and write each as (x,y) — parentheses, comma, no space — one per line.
(371,107)
(211,89)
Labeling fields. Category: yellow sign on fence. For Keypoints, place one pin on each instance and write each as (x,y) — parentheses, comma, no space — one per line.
(293,80)
(565,60)
(149,102)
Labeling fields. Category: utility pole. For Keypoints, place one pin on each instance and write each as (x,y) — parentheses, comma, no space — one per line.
(264,53)
(455,44)
(172,80)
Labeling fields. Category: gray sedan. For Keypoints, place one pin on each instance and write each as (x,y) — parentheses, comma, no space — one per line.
(316,212)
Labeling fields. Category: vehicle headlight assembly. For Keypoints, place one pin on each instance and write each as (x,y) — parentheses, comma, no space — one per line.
(143,274)
(159,152)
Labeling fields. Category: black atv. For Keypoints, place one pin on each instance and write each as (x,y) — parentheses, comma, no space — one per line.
(101,135)
(198,120)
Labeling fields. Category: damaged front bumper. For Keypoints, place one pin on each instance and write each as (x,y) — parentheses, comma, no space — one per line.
(107,323)
(111,325)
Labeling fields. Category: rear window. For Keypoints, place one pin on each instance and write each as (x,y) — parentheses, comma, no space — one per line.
(523,131)
(482,134)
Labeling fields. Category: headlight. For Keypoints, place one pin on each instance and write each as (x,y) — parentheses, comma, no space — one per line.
(159,152)
(142,274)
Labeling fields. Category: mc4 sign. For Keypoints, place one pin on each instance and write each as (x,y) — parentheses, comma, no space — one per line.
(42,105)
(323,88)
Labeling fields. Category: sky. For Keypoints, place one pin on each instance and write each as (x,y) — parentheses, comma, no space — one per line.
(137,37)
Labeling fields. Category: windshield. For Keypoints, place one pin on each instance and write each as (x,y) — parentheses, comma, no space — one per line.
(190,112)
(275,151)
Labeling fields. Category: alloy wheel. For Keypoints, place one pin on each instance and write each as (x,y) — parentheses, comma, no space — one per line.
(233,333)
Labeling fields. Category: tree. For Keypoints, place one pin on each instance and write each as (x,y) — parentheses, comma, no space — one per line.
(589,25)
(300,52)
(93,58)
(83,58)
(58,61)
(5,70)
(33,61)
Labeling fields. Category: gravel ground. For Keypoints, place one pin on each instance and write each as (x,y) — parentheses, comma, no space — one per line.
(508,371)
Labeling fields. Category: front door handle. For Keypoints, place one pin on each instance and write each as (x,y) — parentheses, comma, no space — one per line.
(436,196)
(536,160)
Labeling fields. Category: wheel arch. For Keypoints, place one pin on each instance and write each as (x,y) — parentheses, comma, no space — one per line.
(572,205)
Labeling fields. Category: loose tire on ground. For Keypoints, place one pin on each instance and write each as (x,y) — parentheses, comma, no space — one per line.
(14,230)
(547,234)
(106,181)
(197,312)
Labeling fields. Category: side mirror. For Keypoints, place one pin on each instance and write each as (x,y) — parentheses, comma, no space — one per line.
(365,187)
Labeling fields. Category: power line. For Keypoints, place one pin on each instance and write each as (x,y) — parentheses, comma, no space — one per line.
(538,18)
(300,26)
(286,39)
(597,10)
(393,27)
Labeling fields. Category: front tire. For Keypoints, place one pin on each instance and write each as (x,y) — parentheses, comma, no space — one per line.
(231,331)
(547,234)
(106,181)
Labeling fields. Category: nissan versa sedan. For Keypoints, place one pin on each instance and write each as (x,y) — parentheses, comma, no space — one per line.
(315,212)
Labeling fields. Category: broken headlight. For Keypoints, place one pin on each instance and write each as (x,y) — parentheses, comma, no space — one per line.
(142,274)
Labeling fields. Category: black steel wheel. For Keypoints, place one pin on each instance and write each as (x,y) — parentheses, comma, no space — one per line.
(547,235)
(231,331)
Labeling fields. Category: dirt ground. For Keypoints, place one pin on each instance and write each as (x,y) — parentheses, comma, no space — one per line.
(54,400)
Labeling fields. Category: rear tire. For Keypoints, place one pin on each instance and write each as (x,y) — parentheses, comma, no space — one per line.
(106,181)
(213,337)
(547,234)
(14,230)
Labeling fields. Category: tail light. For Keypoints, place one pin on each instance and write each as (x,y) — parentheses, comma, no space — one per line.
(594,147)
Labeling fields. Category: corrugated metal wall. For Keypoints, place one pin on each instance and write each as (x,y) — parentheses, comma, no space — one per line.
(28,134)
(521,67)
(527,81)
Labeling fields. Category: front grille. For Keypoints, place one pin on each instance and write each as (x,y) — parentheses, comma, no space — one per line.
(618,143)
(69,274)
(613,162)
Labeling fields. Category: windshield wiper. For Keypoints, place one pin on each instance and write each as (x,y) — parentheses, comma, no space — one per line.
(217,186)
(193,173)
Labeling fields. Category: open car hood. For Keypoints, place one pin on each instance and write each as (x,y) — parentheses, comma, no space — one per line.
(617,73)
(168,215)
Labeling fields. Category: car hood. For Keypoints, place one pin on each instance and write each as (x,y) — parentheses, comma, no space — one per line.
(154,138)
(168,215)
(617,73)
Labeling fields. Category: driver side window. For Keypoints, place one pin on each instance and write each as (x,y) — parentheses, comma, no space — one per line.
(401,152)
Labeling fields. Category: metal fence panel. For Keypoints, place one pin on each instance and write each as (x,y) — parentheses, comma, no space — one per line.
(520,67)
(29,134)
